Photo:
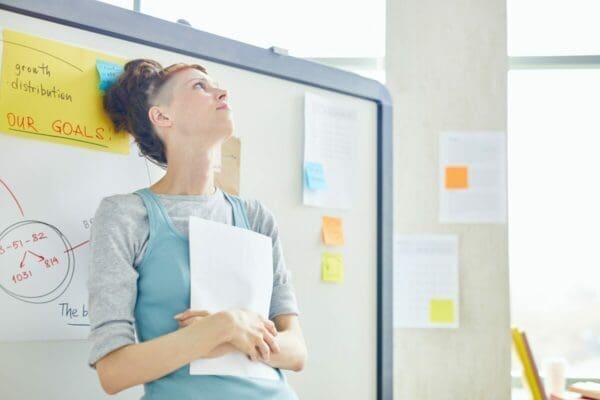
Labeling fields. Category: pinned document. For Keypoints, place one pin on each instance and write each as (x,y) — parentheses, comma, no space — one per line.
(331,128)
(426,281)
(333,231)
(227,171)
(472,177)
(332,267)
(49,91)
(108,72)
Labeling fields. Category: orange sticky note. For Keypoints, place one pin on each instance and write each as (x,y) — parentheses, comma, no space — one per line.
(333,231)
(457,177)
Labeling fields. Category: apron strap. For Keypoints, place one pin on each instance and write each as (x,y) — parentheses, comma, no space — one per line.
(240,216)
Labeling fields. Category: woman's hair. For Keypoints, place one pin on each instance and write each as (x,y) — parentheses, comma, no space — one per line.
(128,100)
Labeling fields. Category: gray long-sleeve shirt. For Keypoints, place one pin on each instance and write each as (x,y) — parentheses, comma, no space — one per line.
(119,237)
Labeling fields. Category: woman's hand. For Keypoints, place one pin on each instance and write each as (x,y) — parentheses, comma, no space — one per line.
(253,334)
(188,317)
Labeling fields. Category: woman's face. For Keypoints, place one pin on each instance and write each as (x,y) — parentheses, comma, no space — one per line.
(196,108)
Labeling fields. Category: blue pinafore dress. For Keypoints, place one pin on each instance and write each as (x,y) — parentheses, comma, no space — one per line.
(163,290)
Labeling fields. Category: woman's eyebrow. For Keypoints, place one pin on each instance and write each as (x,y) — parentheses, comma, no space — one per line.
(197,78)
(213,83)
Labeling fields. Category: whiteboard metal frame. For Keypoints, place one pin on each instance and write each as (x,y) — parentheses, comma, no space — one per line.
(105,19)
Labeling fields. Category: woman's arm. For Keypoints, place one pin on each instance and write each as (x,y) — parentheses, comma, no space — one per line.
(292,347)
(286,347)
(144,362)
(292,354)
(199,337)
(251,333)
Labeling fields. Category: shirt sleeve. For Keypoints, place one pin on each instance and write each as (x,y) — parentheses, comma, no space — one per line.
(112,281)
(283,299)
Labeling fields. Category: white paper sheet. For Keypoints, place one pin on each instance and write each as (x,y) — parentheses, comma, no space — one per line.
(330,130)
(230,268)
(426,281)
(484,199)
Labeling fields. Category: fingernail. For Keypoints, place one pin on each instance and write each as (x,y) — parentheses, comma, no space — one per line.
(178,316)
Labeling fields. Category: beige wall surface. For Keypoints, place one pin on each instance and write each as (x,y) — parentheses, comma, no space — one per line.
(446,69)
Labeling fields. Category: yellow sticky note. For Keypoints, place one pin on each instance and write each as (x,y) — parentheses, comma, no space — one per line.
(457,177)
(441,311)
(49,91)
(333,231)
(332,267)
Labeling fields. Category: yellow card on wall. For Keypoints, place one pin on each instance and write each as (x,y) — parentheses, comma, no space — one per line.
(332,267)
(50,91)
(441,311)
(228,176)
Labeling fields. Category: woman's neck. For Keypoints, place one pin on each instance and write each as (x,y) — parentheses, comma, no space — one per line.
(188,174)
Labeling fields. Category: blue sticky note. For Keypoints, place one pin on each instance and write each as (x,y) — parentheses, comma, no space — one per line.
(314,176)
(109,73)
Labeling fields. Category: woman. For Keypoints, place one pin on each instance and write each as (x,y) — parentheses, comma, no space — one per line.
(139,274)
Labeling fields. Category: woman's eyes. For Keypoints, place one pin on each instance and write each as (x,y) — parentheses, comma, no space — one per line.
(199,84)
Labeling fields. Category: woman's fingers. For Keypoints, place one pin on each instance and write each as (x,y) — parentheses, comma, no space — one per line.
(191,313)
(189,317)
(270,341)
(263,350)
(270,326)
(255,335)
(185,322)
(272,330)
(253,355)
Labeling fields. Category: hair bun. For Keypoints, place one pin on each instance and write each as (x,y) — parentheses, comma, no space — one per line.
(115,102)
(132,85)
(142,68)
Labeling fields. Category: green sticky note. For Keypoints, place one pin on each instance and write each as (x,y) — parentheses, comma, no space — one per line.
(332,267)
(441,311)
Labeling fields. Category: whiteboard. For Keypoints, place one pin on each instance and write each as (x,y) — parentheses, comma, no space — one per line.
(345,325)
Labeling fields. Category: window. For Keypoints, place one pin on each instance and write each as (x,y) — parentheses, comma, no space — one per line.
(553,163)
(310,28)
(553,27)
(554,208)
(128,4)
(344,34)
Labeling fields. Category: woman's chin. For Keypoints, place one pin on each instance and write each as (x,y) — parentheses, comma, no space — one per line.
(228,135)
(226,132)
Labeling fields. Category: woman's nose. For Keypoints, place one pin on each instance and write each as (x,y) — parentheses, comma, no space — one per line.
(222,94)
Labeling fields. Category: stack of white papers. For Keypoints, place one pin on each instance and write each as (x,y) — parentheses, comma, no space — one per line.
(230,268)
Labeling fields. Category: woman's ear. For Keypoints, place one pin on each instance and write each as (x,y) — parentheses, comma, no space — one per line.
(158,117)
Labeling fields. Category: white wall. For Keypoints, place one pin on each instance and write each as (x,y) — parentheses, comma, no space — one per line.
(446,68)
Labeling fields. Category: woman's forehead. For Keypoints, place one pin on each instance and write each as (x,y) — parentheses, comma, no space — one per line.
(179,80)
(189,74)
